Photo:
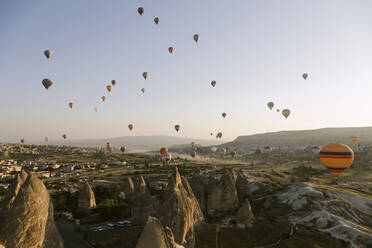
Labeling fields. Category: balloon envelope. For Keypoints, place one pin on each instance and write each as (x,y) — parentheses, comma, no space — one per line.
(48,53)
(109,88)
(223,114)
(71,105)
(196,37)
(305,75)
(64,136)
(354,138)
(213,83)
(113,82)
(103,98)
(123,148)
(156,20)
(145,75)
(336,158)
(170,50)
(270,105)
(141,10)
(163,150)
(143,90)
(214,149)
(47,83)
(177,127)
(286,113)
(130,126)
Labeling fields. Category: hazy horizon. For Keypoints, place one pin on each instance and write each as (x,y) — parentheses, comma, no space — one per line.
(255,50)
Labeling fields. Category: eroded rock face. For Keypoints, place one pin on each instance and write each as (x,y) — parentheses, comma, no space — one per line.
(245,214)
(222,194)
(28,217)
(142,203)
(86,198)
(154,235)
(242,186)
(199,187)
(180,210)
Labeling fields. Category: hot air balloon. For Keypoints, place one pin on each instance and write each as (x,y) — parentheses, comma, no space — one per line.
(103,98)
(354,138)
(141,10)
(170,50)
(145,75)
(48,53)
(336,158)
(46,139)
(122,149)
(109,88)
(177,127)
(71,105)
(270,105)
(286,113)
(22,141)
(64,136)
(305,75)
(214,149)
(193,154)
(130,126)
(278,110)
(113,82)
(315,149)
(47,83)
(143,90)
(223,114)
(219,135)
(96,109)
(109,147)
(196,37)
(213,83)
(99,148)
(163,150)
(267,149)
(211,134)
(156,20)
(166,157)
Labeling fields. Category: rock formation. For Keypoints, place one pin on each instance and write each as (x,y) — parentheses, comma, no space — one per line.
(222,194)
(142,203)
(154,235)
(199,187)
(242,186)
(128,186)
(86,197)
(245,215)
(27,219)
(180,210)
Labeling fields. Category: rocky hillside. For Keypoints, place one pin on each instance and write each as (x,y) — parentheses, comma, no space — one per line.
(301,138)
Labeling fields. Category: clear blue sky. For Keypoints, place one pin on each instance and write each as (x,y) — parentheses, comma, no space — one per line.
(256,51)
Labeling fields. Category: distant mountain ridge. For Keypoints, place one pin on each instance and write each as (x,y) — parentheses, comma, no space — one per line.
(302,138)
(139,143)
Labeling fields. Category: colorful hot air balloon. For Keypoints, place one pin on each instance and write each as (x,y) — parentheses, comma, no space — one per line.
(109,88)
(71,105)
(305,75)
(223,114)
(315,149)
(46,139)
(141,10)
(354,138)
(145,75)
(22,141)
(156,20)
(130,126)
(47,83)
(166,157)
(286,113)
(103,98)
(336,158)
(213,83)
(196,37)
(122,149)
(163,150)
(219,135)
(99,148)
(143,90)
(64,136)
(270,105)
(177,127)
(113,82)
(267,149)
(170,50)
(214,149)
(48,53)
